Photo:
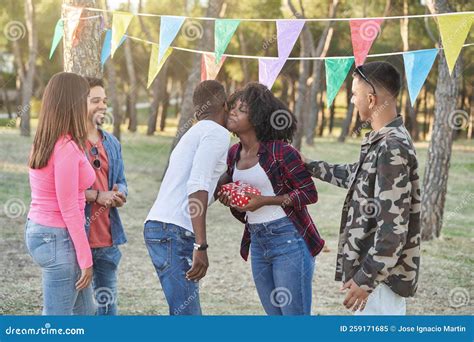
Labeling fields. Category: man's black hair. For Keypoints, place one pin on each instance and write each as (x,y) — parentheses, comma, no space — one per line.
(208,96)
(382,74)
(95,82)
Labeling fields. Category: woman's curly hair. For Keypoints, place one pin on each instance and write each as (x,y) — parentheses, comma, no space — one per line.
(271,118)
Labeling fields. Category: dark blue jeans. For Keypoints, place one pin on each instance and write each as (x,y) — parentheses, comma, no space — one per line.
(104,282)
(282,268)
(171,251)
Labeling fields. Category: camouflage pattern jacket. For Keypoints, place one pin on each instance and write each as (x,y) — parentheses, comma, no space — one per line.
(379,237)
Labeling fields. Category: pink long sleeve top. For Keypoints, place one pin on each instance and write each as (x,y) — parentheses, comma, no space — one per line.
(58,194)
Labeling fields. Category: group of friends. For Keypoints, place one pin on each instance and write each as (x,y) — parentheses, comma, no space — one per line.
(76,171)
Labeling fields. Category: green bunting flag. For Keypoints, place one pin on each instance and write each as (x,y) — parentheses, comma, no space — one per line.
(336,72)
(224,29)
(58,35)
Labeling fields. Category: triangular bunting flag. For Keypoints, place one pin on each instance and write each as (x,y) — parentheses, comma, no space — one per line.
(288,32)
(102,23)
(106,47)
(58,34)
(224,29)
(120,22)
(209,67)
(155,65)
(73,15)
(417,67)
(268,70)
(454,30)
(169,27)
(363,34)
(336,72)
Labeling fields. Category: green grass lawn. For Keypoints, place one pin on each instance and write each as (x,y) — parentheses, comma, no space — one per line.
(447,263)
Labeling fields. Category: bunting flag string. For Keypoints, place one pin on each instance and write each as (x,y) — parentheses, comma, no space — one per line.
(453,28)
(396,17)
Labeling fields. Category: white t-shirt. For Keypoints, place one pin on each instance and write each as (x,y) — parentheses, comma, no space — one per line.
(257,177)
(196,163)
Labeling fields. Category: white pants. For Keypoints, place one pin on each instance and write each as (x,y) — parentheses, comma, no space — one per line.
(383,301)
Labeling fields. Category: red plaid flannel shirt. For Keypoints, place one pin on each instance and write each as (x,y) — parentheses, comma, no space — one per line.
(285,169)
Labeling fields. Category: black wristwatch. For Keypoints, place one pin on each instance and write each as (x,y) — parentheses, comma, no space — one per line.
(202,247)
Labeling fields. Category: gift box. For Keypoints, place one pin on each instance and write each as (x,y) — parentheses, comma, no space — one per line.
(237,192)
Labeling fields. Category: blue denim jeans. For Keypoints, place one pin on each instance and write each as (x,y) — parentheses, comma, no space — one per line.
(104,283)
(282,267)
(52,249)
(171,251)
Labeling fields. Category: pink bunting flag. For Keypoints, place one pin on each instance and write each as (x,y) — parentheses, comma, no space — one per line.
(209,67)
(71,20)
(363,34)
(268,70)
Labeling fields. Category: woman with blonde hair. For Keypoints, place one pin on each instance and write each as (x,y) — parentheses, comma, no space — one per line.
(59,174)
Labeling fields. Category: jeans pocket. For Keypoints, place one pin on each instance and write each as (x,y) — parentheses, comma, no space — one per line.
(42,248)
(108,255)
(159,248)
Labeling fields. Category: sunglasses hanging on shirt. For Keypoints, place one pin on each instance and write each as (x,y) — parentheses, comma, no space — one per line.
(95,153)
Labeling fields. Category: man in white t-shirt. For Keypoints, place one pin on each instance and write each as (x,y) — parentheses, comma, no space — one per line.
(175,228)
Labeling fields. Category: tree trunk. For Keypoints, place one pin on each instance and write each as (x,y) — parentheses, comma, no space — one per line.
(158,86)
(319,51)
(350,111)
(164,111)
(323,115)
(410,114)
(132,88)
(302,87)
(284,90)
(158,98)
(347,123)
(332,112)
(243,61)
(206,43)
(114,99)
(194,77)
(471,124)
(28,81)
(84,57)
(435,180)
(346,126)
(425,112)
(6,99)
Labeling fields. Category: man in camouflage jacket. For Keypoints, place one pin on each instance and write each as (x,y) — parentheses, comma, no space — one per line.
(379,238)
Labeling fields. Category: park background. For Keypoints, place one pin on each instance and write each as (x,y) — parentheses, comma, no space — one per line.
(149,122)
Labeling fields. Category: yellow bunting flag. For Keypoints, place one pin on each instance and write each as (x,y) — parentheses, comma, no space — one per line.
(120,22)
(454,29)
(156,66)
